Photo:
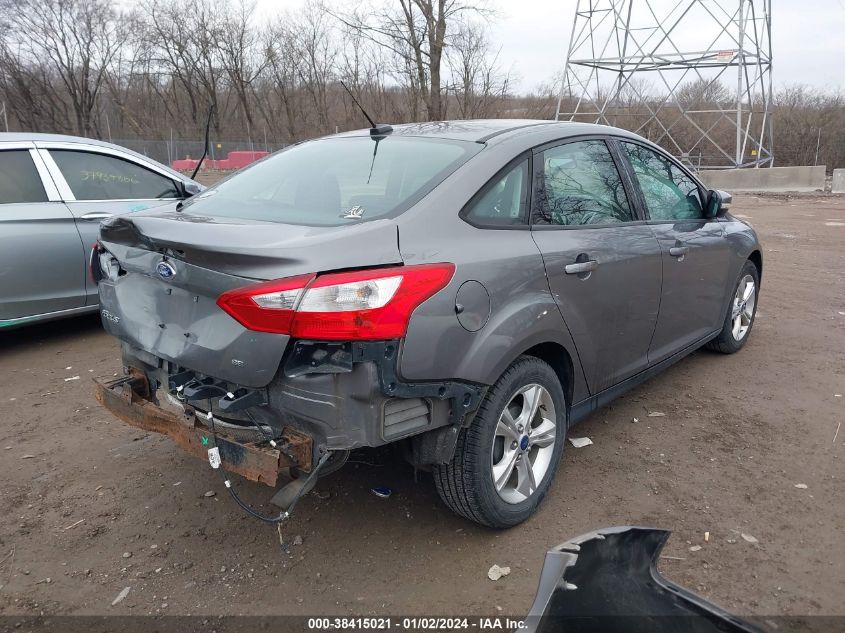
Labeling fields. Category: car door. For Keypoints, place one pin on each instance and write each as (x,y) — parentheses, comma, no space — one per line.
(602,260)
(42,259)
(695,254)
(97,182)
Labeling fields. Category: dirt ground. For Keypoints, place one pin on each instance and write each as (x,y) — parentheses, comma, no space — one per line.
(89,506)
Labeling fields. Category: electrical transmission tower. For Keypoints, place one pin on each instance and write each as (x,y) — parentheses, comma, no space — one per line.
(692,75)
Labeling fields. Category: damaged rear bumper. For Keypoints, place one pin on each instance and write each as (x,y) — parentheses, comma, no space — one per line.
(343,395)
(127,398)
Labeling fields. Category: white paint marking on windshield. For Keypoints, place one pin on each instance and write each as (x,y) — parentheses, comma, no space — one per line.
(355,213)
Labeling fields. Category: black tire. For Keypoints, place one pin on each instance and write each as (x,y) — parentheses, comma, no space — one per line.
(466,483)
(726,342)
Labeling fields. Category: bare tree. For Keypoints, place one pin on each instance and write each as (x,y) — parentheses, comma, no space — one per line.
(74,40)
(312,39)
(240,53)
(416,32)
(477,81)
(284,63)
(185,54)
(85,67)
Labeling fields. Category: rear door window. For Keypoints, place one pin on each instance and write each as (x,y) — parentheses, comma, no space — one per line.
(669,193)
(93,176)
(578,184)
(19,179)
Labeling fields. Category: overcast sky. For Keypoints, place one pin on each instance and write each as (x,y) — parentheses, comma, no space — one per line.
(808,38)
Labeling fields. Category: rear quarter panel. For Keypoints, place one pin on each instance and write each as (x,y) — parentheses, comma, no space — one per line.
(522,312)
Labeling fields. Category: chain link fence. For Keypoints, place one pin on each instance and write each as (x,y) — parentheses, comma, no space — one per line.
(166,151)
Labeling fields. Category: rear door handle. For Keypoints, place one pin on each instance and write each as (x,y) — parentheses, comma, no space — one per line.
(96,215)
(581,267)
(678,251)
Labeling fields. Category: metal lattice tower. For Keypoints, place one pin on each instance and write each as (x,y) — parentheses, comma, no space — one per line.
(692,75)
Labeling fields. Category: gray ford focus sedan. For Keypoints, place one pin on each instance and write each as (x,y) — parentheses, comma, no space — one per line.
(468,290)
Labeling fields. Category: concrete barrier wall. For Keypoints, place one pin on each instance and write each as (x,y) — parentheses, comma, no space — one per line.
(838,181)
(766,179)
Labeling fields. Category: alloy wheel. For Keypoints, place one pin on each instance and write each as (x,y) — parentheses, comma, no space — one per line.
(524,443)
(743,307)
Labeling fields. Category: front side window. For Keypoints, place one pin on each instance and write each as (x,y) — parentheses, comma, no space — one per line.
(670,194)
(93,176)
(503,201)
(579,184)
(19,179)
(336,181)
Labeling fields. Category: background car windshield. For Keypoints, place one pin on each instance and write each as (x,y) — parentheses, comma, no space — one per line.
(337,181)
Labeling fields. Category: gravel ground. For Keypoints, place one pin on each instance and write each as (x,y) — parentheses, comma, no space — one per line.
(90,506)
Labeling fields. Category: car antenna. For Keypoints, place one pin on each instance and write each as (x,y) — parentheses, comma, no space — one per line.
(205,147)
(181,203)
(376,129)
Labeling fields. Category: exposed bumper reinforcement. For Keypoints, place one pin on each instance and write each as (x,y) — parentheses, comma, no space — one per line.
(128,399)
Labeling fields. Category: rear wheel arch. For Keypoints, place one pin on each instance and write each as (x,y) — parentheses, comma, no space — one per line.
(560,360)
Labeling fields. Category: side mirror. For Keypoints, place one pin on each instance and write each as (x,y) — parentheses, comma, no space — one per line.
(191,189)
(718,203)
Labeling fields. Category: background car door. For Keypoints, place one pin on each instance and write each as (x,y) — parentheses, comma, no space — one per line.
(96,186)
(696,257)
(42,259)
(602,261)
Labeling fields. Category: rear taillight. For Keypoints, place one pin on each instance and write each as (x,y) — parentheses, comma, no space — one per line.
(365,304)
(265,307)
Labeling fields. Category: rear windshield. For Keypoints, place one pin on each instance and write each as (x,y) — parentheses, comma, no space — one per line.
(336,181)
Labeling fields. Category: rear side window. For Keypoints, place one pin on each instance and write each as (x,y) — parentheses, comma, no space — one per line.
(336,181)
(93,176)
(578,184)
(19,179)
(670,194)
(503,201)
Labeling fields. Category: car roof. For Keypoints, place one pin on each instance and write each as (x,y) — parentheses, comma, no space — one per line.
(490,130)
(21,137)
(54,138)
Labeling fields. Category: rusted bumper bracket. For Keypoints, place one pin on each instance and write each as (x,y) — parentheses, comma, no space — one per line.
(128,399)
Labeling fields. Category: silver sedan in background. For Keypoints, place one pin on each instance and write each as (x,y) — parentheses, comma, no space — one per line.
(54,192)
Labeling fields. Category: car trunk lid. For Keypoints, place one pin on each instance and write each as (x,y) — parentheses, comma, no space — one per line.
(171,312)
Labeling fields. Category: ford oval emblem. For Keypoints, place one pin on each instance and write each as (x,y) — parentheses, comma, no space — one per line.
(165,270)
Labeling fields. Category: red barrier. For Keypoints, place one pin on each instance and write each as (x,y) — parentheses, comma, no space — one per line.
(234,160)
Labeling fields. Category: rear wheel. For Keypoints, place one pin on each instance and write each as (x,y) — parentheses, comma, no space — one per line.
(505,461)
(741,312)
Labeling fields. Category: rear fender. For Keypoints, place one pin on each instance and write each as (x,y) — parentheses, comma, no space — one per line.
(531,320)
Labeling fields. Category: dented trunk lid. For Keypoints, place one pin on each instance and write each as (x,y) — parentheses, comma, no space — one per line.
(175,317)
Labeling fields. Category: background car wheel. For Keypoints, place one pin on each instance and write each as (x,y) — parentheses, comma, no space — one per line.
(741,312)
(506,459)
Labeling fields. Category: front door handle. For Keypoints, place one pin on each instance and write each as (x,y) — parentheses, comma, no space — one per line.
(96,215)
(581,267)
(678,251)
